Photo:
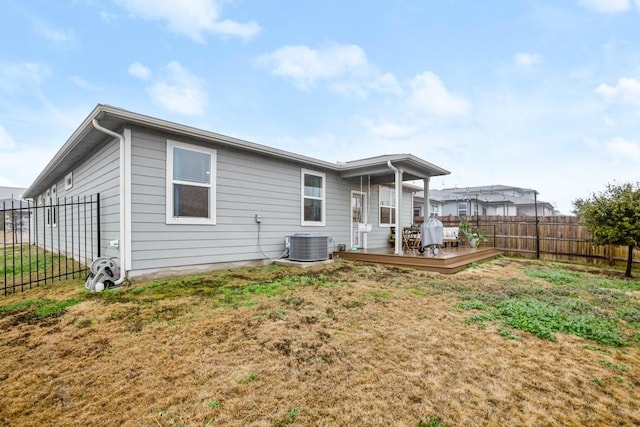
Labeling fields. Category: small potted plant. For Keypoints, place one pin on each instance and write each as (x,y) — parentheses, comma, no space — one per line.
(475,237)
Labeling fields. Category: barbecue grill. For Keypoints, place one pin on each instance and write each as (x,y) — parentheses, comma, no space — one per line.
(431,236)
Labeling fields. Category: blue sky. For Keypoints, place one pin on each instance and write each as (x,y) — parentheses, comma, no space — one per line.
(541,94)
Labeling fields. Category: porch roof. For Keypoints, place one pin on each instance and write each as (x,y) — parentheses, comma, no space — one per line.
(412,167)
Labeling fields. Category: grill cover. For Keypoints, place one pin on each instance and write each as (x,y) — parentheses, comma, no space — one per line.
(431,232)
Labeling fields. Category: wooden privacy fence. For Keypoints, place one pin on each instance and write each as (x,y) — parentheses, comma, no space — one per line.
(561,238)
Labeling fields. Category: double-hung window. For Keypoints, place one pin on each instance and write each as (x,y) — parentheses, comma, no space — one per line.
(191,190)
(387,203)
(54,206)
(51,207)
(47,208)
(313,198)
(462,208)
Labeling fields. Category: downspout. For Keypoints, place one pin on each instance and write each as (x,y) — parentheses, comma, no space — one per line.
(398,174)
(109,132)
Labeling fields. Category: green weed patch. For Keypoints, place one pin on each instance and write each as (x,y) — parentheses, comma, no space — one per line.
(555,276)
(40,308)
(577,304)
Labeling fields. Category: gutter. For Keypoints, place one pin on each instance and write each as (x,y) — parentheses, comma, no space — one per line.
(398,173)
(122,198)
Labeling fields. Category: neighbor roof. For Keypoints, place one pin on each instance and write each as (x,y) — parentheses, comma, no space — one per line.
(11,192)
(491,195)
(86,139)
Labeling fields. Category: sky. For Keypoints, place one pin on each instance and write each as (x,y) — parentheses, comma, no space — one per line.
(541,94)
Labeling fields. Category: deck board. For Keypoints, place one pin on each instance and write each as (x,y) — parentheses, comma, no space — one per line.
(449,260)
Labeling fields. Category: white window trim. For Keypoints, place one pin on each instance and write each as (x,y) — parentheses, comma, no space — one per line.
(466,208)
(394,207)
(322,223)
(169,184)
(68,181)
(47,208)
(54,202)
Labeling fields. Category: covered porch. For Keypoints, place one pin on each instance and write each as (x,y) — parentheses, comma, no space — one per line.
(394,171)
(449,260)
(389,206)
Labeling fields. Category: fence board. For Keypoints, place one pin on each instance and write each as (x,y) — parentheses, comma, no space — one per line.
(558,238)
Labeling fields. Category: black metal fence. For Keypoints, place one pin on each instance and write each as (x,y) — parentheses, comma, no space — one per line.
(48,240)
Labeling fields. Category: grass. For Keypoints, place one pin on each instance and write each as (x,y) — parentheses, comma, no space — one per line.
(561,301)
(431,422)
(340,344)
(40,309)
(22,264)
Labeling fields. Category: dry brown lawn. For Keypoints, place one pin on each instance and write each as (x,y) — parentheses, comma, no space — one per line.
(367,345)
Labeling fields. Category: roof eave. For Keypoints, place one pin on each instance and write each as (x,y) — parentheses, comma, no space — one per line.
(37,187)
(412,166)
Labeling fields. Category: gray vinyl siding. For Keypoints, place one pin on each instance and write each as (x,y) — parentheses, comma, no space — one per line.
(379,236)
(246,184)
(450,209)
(98,173)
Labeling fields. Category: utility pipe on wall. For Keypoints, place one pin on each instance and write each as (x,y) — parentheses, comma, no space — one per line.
(122,198)
(398,176)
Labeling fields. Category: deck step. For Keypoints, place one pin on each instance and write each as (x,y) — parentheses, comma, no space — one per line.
(448,262)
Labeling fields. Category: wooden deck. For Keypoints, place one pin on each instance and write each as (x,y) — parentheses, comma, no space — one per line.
(449,260)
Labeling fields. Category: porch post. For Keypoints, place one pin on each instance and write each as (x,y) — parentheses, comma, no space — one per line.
(427,203)
(398,249)
(398,176)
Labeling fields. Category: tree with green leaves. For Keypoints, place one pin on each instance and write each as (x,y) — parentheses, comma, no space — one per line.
(613,217)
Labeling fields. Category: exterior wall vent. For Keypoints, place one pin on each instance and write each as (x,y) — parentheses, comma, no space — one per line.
(308,247)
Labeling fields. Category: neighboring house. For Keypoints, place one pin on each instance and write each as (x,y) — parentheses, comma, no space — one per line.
(498,200)
(11,193)
(177,198)
(10,217)
(14,215)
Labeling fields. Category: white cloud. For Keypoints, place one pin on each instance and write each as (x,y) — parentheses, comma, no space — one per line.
(623,148)
(348,88)
(608,120)
(190,18)
(627,91)
(22,75)
(52,34)
(607,6)
(431,96)
(6,141)
(140,71)
(306,65)
(388,83)
(179,91)
(232,28)
(392,130)
(527,59)
(24,165)
(580,74)
(344,68)
(83,84)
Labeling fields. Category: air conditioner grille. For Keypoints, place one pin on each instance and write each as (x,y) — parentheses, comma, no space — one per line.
(308,247)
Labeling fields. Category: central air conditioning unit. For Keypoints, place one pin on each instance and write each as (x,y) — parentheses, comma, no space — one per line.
(308,247)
